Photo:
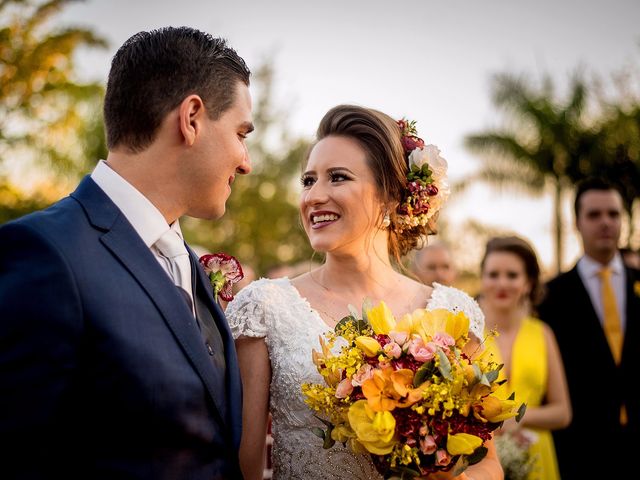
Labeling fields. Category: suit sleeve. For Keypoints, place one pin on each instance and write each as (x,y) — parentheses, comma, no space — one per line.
(40,327)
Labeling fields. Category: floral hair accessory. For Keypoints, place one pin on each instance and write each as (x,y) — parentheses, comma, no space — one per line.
(223,271)
(427,187)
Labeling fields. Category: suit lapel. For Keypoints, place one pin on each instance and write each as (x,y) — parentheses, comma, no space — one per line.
(127,246)
(234,387)
(631,333)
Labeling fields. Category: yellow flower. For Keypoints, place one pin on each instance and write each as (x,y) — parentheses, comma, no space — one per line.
(368,345)
(494,410)
(462,443)
(381,319)
(342,433)
(441,320)
(374,430)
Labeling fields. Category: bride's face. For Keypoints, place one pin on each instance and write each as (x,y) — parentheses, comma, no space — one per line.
(339,204)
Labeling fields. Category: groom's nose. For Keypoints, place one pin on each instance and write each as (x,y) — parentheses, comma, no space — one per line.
(245,167)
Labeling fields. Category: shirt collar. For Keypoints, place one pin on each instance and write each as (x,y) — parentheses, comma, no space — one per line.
(591,268)
(145,218)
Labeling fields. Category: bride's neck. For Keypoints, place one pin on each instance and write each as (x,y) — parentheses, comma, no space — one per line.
(357,274)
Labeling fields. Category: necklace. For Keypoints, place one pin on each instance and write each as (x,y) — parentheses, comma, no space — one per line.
(335,318)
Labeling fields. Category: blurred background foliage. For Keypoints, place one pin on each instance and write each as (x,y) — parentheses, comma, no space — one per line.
(50,123)
(51,133)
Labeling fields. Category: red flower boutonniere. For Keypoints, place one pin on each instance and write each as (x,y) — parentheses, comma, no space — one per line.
(636,288)
(224,271)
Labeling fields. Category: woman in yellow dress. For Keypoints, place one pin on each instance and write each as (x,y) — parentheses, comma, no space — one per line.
(510,284)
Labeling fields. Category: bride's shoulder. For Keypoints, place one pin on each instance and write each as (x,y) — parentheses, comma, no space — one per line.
(261,291)
(456,300)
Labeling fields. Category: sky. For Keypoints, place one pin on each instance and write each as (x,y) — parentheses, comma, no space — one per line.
(431,61)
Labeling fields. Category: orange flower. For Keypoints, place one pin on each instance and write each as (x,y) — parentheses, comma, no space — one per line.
(389,388)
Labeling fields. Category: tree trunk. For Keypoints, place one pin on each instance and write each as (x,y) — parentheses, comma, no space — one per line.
(557,207)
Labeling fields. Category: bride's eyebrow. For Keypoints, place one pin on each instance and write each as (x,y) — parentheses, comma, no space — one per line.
(339,169)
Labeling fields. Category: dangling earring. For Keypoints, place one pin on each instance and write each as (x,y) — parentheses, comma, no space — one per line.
(386,221)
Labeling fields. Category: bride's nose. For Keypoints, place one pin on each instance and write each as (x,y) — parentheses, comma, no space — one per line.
(317,194)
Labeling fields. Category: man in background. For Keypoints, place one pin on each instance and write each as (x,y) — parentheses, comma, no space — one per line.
(433,263)
(594,310)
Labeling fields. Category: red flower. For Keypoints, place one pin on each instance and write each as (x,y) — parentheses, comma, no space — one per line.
(223,271)
(410,143)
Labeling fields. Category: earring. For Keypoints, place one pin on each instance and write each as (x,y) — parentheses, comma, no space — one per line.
(386,221)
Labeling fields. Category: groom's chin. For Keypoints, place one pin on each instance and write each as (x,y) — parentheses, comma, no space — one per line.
(208,214)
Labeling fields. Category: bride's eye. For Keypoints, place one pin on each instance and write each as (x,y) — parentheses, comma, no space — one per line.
(307,181)
(338,177)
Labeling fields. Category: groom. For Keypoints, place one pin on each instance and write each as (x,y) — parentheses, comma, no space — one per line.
(115,361)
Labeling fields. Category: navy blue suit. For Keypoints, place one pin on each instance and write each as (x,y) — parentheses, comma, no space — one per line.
(104,372)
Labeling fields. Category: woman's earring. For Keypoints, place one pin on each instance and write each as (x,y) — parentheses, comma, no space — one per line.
(386,221)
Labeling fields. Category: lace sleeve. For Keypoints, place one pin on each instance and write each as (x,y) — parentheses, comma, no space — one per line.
(455,301)
(246,313)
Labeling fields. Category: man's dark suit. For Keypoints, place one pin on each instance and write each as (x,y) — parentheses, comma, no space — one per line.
(595,445)
(104,372)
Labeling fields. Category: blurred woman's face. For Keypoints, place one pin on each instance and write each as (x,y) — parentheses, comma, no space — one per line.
(339,204)
(504,280)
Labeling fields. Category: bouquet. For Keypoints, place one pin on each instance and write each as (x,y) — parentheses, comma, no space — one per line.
(407,392)
(514,454)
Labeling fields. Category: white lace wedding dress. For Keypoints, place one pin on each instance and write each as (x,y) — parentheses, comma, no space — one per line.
(274,310)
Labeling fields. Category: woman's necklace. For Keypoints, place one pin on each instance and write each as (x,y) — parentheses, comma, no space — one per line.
(336,317)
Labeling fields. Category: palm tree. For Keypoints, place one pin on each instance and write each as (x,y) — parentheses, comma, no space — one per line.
(543,142)
(617,156)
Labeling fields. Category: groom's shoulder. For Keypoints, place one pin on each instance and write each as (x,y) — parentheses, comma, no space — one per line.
(58,224)
(58,216)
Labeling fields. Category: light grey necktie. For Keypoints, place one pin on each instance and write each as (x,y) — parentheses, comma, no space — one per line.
(172,248)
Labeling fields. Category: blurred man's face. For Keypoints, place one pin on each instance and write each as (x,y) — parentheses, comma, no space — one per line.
(599,222)
(434,265)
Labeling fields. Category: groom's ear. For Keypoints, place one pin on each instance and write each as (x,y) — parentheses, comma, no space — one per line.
(191,113)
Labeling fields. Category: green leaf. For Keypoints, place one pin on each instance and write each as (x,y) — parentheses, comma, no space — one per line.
(423,373)
(492,376)
(362,326)
(521,412)
(326,422)
(318,432)
(477,455)
(343,323)
(512,396)
(353,311)
(445,365)
(328,441)
(460,466)
(404,473)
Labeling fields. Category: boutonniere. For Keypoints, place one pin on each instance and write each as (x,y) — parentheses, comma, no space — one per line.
(636,288)
(223,271)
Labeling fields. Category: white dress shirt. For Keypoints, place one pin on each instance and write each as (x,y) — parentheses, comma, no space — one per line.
(588,269)
(143,216)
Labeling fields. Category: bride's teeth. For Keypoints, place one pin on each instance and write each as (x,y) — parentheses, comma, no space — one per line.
(324,218)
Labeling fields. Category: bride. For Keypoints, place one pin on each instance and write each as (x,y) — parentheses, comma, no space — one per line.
(354,208)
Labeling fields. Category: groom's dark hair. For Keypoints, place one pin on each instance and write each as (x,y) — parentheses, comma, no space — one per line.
(153,72)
